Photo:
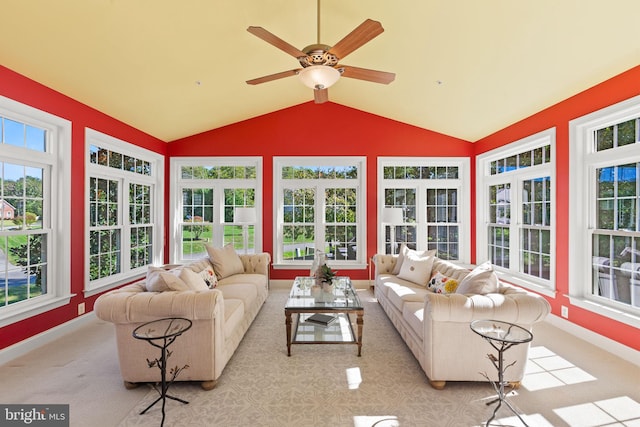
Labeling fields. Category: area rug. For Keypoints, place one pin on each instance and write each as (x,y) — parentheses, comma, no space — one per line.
(321,385)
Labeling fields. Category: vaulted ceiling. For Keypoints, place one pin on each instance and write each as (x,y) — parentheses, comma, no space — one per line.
(173,68)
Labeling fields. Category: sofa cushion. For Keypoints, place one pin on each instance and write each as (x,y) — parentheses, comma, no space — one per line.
(398,294)
(161,280)
(258,280)
(245,292)
(442,284)
(225,260)
(233,316)
(482,280)
(413,313)
(416,267)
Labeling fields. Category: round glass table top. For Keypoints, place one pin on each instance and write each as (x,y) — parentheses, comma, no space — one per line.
(162,328)
(501,331)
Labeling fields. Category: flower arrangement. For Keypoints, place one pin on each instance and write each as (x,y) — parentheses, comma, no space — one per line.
(325,274)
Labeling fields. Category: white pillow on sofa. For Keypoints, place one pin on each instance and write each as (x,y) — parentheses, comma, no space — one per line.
(225,260)
(482,280)
(193,280)
(161,280)
(404,252)
(417,268)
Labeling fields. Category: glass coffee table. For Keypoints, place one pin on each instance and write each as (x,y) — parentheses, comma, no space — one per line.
(323,316)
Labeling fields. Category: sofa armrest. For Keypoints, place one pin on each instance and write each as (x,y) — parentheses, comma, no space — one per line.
(129,305)
(256,263)
(384,263)
(521,308)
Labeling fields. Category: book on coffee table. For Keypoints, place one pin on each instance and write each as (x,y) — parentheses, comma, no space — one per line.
(321,319)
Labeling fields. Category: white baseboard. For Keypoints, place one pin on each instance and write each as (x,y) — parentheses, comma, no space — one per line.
(607,344)
(23,347)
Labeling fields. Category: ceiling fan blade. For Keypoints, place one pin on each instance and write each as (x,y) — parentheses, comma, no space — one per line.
(276,41)
(272,77)
(320,96)
(356,38)
(366,74)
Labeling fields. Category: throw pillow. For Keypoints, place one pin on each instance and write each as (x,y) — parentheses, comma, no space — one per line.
(209,276)
(482,280)
(193,280)
(442,284)
(225,260)
(154,282)
(160,280)
(416,268)
(404,252)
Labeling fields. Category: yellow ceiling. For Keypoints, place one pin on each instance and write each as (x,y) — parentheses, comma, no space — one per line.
(173,68)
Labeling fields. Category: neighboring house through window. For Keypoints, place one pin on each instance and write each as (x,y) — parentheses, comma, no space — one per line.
(433,194)
(124,211)
(320,206)
(217,201)
(35,180)
(604,273)
(516,211)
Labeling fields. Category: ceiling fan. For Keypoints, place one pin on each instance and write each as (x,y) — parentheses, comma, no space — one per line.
(320,63)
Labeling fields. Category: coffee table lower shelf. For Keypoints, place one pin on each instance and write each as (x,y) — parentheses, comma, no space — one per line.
(340,331)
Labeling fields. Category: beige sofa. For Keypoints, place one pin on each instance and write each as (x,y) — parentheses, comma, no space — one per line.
(436,326)
(220,317)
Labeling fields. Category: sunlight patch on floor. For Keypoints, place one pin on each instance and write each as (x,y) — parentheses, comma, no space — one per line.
(534,420)
(545,369)
(619,411)
(354,378)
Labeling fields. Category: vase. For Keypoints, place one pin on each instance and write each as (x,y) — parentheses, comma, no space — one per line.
(327,287)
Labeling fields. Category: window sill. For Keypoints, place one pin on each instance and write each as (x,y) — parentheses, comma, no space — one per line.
(606,311)
(111,285)
(527,284)
(17,312)
(308,266)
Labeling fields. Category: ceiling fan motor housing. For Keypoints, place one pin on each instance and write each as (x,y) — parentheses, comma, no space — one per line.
(318,54)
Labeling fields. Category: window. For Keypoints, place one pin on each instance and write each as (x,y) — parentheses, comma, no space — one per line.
(35,225)
(208,195)
(320,206)
(431,193)
(516,210)
(605,220)
(124,200)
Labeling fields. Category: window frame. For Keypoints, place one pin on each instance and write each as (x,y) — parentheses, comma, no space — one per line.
(56,160)
(584,160)
(359,184)
(462,184)
(485,180)
(124,178)
(178,184)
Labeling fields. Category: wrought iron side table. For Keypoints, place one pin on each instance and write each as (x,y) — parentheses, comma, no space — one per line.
(161,334)
(501,336)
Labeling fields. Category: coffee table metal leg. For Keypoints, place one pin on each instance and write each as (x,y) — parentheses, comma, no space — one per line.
(287,315)
(360,322)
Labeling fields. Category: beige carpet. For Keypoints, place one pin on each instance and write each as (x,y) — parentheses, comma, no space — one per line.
(569,383)
(261,386)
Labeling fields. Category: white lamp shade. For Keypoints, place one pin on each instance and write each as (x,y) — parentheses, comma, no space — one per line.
(245,215)
(392,216)
(319,76)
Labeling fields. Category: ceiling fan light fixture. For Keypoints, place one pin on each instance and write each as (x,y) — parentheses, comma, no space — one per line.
(319,76)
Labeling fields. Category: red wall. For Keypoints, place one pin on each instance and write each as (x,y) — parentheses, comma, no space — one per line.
(26,91)
(320,130)
(617,89)
(309,129)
